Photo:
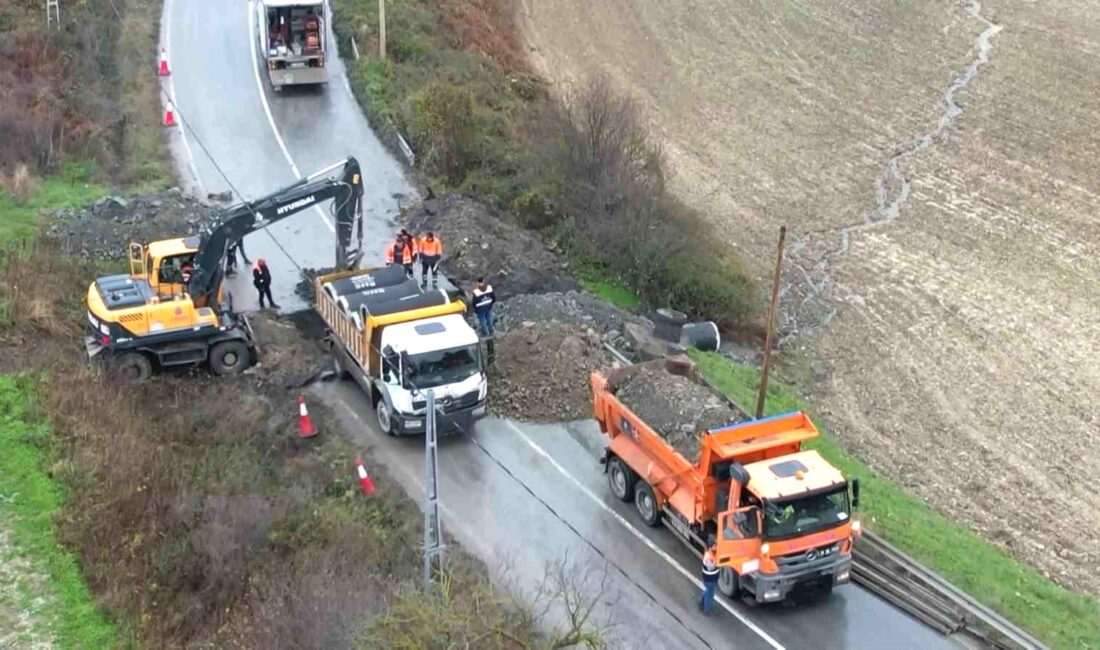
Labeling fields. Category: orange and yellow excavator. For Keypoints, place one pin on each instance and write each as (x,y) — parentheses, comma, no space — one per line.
(171,309)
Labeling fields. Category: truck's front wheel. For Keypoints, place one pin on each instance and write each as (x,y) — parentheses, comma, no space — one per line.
(621,479)
(385,417)
(728,582)
(646,503)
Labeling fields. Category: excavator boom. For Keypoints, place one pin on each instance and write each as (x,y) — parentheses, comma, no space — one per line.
(346,192)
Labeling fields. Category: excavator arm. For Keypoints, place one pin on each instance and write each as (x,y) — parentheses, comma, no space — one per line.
(346,192)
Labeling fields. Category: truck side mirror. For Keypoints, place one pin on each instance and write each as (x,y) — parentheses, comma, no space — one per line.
(855,493)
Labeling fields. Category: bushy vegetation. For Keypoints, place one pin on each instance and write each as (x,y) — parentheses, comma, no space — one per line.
(83,92)
(577,165)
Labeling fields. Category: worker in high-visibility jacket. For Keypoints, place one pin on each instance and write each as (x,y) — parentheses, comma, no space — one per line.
(710,580)
(402,251)
(431,251)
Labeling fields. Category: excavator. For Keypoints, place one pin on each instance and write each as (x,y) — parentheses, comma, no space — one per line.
(172,311)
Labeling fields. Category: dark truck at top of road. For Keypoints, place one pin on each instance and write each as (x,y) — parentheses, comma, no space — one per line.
(780,515)
(293,41)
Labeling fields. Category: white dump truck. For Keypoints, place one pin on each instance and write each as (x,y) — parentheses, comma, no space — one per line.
(293,39)
(397,341)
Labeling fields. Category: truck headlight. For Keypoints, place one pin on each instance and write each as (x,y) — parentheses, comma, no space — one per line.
(750,567)
(482,390)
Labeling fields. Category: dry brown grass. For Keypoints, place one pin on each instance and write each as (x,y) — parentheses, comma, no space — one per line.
(198,516)
(19,184)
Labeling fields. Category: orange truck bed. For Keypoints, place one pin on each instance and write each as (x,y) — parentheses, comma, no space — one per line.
(741,471)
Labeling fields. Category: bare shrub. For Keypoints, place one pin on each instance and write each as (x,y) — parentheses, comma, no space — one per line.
(20,184)
(603,178)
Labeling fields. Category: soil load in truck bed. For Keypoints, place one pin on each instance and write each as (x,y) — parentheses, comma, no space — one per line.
(675,407)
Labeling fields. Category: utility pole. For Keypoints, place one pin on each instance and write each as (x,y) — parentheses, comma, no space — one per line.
(433,535)
(382,29)
(53,13)
(771,326)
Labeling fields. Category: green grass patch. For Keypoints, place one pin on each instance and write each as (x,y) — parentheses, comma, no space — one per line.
(68,188)
(1057,616)
(621,297)
(29,499)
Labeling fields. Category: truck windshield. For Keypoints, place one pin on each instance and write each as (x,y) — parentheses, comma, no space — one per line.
(430,369)
(805,515)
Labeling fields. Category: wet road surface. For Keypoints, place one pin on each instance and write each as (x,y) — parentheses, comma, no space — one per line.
(520,497)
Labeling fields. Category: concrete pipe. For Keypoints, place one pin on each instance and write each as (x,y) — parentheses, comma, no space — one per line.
(351,302)
(386,276)
(417,301)
(702,336)
(667,324)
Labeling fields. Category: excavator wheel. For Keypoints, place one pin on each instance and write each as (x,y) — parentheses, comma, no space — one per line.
(646,503)
(131,366)
(621,479)
(229,357)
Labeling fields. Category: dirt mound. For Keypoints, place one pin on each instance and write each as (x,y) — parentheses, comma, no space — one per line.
(675,407)
(541,372)
(287,358)
(105,228)
(480,240)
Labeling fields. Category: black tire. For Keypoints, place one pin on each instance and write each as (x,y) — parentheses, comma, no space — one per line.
(229,357)
(131,366)
(729,583)
(646,504)
(621,479)
(385,417)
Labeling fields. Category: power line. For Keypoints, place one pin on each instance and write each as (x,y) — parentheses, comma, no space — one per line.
(184,123)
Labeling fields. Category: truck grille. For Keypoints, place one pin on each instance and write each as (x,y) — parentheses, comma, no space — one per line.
(450,404)
(809,556)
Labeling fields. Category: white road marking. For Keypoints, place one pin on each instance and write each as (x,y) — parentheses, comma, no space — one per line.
(641,537)
(267,106)
(172,96)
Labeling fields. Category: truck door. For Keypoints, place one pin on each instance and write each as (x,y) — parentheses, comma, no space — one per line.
(738,544)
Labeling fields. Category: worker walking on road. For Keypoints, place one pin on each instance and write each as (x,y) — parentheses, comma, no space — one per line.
(430,251)
(710,579)
(402,251)
(261,279)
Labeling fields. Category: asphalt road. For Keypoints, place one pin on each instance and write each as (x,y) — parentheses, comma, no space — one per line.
(521,497)
(262,140)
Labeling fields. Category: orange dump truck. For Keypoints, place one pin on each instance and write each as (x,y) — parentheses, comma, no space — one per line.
(779,515)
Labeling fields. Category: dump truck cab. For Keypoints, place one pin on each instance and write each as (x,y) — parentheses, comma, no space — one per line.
(789,526)
(440,353)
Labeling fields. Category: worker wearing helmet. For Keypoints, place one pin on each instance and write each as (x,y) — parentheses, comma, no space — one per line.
(430,250)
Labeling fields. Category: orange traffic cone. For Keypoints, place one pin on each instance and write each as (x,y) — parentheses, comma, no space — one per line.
(365,481)
(163,70)
(169,115)
(305,423)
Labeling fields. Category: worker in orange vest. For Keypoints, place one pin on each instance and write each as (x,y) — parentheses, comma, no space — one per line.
(710,579)
(431,251)
(402,251)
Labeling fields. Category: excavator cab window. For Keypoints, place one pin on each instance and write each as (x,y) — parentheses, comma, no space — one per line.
(171,272)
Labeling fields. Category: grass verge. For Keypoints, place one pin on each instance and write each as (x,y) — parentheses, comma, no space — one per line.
(70,187)
(30,500)
(616,295)
(1052,613)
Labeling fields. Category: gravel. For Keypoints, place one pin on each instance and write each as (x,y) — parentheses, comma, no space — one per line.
(104,229)
(675,407)
(482,241)
(571,307)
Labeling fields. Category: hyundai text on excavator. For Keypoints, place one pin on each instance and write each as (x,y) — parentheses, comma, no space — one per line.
(171,309)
